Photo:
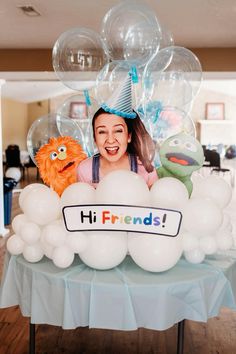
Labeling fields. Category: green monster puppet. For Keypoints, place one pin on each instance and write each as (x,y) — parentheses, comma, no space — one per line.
(180,155)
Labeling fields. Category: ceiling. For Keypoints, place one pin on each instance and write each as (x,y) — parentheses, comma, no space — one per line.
(193,23)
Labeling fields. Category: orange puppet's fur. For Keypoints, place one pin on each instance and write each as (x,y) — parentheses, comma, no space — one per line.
(57,162)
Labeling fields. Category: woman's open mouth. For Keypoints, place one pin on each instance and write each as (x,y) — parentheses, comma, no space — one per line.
(67,166)
(112,150)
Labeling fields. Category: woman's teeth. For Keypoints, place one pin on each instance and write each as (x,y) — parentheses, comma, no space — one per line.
(112,150)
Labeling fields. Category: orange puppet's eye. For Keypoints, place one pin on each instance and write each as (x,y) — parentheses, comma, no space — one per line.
(53,155)
(62,148)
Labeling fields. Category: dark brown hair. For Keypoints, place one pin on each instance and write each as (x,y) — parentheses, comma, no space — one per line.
(141,143)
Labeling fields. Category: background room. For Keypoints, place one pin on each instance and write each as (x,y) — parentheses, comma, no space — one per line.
(31,89)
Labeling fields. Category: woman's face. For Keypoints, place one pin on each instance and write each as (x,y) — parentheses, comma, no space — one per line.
(111,136)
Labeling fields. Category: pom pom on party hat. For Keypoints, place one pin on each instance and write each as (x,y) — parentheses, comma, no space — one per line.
(120,103)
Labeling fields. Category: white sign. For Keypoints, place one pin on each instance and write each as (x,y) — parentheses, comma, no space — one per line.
(122,218)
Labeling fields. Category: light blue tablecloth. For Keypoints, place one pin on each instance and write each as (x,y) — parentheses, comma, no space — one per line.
(124,298)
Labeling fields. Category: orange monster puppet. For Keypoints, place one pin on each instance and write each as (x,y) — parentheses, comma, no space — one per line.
(57,162)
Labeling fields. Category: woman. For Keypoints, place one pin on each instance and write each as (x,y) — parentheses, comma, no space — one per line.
(122,144)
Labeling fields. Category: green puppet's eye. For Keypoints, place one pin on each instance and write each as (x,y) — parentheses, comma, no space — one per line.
(61,148)
(53,155)
(175,142)
(190,146)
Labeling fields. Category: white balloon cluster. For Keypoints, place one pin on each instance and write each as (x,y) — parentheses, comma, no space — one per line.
(40,230)
(206,225)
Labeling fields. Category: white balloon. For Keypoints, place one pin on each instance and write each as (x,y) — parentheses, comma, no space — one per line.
(78,193)
(15,245)
(63,256)
(226,221)
(30,188)
(201,216)
(18,222)
(154,253)
(196,179)
(54,234)
(13,172)
(42,206)
(105,249)
(169,192)
(190,241)
(208,244)
(217,189)
(224,240)
(77,241)
(195,256)
(46,247)
(123,187)
(30,233)
(33,253)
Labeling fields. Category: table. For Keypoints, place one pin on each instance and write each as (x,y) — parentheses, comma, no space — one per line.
(124,298)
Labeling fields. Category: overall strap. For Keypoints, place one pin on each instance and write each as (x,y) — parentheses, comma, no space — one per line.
(95,168)
(133,163)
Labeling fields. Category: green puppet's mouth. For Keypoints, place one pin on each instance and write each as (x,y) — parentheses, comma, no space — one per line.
(181,159)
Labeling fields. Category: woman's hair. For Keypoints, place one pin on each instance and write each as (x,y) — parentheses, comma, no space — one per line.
(141,143)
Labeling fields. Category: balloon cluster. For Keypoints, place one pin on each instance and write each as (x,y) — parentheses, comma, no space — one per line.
(205,228)
(131,39)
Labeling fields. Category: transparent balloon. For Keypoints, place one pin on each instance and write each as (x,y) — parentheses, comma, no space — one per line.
(77,56)
(52,125)
(173,76)
(164,122)
(167,39)
(110,77)
(77,108)
(131,32)
(141,43)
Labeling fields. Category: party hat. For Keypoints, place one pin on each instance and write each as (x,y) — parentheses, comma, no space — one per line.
(120,103)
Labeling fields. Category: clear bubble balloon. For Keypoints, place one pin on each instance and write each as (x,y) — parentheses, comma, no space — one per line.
(81,111)
(173,77)
(51,125)
(131,32)
(167,39)
(164,122)
(77,55)
(141,42)
(110,78)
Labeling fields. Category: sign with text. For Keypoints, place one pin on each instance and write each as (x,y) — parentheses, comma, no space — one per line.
(129,218)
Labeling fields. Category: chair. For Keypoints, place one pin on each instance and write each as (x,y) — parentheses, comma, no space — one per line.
(212,159)
(31,164)
(13,158)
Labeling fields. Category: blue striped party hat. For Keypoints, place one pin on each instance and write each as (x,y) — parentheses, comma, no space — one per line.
(120,103)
